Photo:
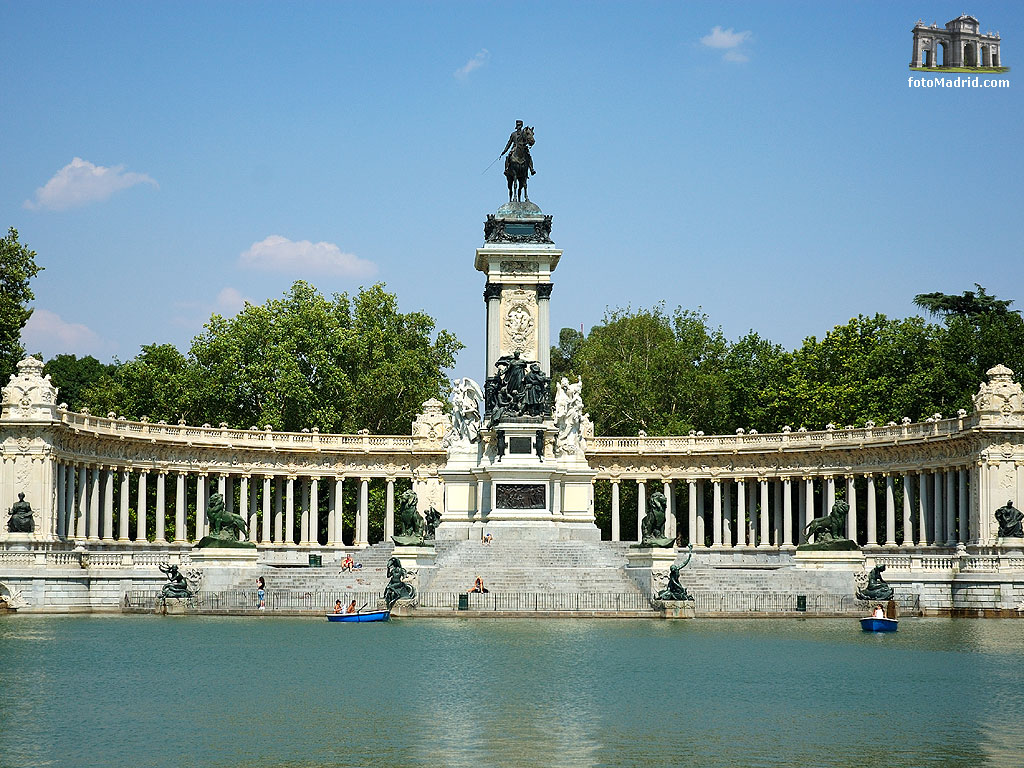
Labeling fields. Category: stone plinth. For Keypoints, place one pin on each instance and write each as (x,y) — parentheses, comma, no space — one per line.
(413,558)
(850,560)
(648,567)
(1010,543)
(225,556)
(675,609)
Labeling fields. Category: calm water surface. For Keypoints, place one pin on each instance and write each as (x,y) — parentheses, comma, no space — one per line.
(291,693)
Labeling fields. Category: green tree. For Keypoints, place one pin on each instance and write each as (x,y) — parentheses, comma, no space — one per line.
(647,370)
(301,361)
(17,268)
(753,367)
(73,375)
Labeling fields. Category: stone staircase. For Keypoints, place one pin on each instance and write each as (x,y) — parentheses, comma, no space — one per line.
(328,577)
(705,575)
(530,566)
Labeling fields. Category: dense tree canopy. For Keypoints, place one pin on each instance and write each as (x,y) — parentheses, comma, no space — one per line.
(17,268)
(644,370)
(338,364)
(73,375)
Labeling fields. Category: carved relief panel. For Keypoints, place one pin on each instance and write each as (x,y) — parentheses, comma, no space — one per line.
(519,322)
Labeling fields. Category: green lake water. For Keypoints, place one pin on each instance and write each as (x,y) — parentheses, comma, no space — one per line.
(209,691)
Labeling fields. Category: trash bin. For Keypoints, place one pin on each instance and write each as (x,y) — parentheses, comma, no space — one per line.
(801,602)
(316,561)
(464,602)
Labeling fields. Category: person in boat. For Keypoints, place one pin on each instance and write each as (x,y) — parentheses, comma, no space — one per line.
(337,606)
(351,607)
(878,613)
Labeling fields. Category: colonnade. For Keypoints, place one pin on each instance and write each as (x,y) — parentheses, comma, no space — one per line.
(278,508)
(910,508)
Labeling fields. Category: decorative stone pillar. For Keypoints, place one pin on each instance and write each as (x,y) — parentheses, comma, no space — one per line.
(334,517)
(776,512)
(492,298)
(763,516)
(615,510)
(180,534)
(289,511)
(950,507)
(314,513)
(963,535)
(122,513)
(94,504)
(304,514)
(924,538)
(254,510)
(716,513)
(752,514)
(701,534)
(160,514)
(890,510)
(727,510)
(908,512)
(543,325)
(61,494)
(939,518)
(741,512)
(801,496)
(69,501)
(787,512)
(108,503)
(641,507)
(691,504)
(140,508)
(202,496)
(364,513)
(851,517)
(278,511)
(265,528)
(81,529)
(389,510)
(830,495)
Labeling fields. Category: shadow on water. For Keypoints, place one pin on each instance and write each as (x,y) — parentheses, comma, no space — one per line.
(286,692)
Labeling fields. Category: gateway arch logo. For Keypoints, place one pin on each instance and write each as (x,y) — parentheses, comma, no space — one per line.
(959,46)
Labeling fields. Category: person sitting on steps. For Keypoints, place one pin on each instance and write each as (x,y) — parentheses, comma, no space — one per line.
(478,586)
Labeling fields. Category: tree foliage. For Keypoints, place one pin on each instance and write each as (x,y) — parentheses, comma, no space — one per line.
(73,375)
(338,364)
(17,268)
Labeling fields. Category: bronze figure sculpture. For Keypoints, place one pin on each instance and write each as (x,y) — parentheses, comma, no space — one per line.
(21,516)
(519,162)
(1011,521)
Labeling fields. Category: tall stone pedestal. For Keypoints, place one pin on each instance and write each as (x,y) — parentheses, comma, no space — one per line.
(517,481)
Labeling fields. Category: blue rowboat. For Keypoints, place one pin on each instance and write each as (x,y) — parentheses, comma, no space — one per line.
(871,624)
(368,616)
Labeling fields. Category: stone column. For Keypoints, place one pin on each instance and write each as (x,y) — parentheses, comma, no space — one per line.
(108,504)
(337,510)
(492,297)
(830,495)
(122,512)
(160,515)
(389,510)
(752,514)
(314,513)
(670,508)
(69,501)
(851,517)
(201,498)
(762,518)
(364,513)
(801,497)
(94,505)
(265,528)
(254,511)
(908,512)
(140,508)
(278,511)
(304,516)
(222,489)
(289,511)
(787,512)
(701,534)
(890,510)
(727,510)
(641,507)
(616,535)
(544,326)
(950,508)
(81,529)
(939,518)
(61,493)
(963,534)
(776,512)
(922,508)
(180,534)
(244,508)
(716,513)
(872,531)
(741,512)
(691,511)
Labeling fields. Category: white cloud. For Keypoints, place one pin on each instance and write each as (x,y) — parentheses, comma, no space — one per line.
(735,55)
(473,64)
(80,182)
(725,38)
(279,254)
(230,301)
(49,333)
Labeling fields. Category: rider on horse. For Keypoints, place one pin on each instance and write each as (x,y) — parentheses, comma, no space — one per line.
(518,140)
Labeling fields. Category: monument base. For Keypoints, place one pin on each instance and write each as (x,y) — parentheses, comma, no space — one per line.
(229,556)
(675,609)
(836,559)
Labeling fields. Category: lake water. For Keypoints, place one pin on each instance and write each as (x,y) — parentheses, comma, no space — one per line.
(294,693)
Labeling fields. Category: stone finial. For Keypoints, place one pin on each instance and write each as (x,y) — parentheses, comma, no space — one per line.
(30,395)
(433,422)
(1000,400)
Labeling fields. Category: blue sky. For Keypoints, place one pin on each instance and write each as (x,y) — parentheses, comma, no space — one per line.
(169,160)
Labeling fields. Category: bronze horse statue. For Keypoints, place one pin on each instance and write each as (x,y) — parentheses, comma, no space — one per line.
(517,166)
